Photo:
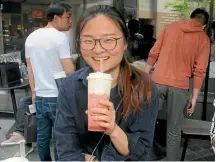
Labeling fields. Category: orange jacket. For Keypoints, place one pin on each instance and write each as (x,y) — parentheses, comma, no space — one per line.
(181,50)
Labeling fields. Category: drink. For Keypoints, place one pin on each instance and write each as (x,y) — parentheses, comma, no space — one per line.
(24,71)
(99,86)
(59,77)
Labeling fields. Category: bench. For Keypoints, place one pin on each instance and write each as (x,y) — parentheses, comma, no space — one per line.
(198,129)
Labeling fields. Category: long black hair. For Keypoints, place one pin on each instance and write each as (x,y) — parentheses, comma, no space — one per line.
(133,84)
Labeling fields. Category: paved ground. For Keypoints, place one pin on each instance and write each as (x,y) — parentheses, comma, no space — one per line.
(198,150)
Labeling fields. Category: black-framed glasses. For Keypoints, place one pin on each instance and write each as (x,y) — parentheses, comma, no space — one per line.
(107,43)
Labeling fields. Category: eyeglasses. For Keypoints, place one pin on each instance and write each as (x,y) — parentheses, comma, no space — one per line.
(107,43)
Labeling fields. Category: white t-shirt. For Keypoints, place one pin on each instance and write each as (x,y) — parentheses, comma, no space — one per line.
(46,47)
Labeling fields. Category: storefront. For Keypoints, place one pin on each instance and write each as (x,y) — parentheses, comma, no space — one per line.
(29,15)
(20,19)
(16,26)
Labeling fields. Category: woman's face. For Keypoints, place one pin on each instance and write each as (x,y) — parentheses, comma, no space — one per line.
(102,38)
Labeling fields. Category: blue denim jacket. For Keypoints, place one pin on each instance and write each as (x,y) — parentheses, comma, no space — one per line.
(71,125)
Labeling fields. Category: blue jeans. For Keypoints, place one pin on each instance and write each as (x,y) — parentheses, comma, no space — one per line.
(46,113)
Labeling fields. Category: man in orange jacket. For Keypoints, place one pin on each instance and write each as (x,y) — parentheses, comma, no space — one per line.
(181,51)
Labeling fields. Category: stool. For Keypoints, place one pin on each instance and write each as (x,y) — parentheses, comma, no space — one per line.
(196,129)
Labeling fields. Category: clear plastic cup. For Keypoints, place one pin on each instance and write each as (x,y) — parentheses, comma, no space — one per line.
(99,86)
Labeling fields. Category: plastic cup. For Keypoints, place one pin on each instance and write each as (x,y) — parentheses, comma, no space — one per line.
(99,86)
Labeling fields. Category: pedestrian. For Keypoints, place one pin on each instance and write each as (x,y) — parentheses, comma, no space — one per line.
(47,53)
(181,52)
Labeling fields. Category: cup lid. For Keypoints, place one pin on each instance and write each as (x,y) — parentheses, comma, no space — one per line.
(99,75)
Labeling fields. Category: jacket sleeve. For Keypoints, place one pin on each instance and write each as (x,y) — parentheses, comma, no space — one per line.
(200,65)
(140,133)
(65,132)
(156,49)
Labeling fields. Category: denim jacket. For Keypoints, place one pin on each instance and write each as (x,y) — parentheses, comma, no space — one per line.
(71,125)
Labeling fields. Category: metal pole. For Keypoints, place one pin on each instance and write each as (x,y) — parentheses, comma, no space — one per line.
(84,5)
(207,72)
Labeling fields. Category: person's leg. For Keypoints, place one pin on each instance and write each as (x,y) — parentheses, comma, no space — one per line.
(160,129)
(44,129)
(176,102)
(18,133)
(52,105)
(24,102)
(163,91)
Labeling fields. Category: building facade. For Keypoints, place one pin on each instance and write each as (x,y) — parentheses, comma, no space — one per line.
(155,12)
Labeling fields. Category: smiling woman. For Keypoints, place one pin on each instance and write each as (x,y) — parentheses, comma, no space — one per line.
(128,117)
(104,41)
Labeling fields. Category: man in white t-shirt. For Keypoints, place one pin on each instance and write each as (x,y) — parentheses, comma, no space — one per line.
(47,53)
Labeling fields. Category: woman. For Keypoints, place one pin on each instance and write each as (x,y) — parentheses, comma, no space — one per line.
(102,34)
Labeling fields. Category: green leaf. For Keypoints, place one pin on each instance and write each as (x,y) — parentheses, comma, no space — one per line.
(185,7)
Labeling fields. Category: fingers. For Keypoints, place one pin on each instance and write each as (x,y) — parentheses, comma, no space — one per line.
(189,106)
(98,111)
(102,118)
(102,111)
(104,124)
(190,111)
(107,103)
(190,114)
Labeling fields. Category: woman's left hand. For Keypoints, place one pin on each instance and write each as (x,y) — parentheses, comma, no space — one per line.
(105,116)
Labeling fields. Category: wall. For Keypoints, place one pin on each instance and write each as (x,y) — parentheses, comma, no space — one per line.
(131,9)
(145,9)
(164,16)
(156,10)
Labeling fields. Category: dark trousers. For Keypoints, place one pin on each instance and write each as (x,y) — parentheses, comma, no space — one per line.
(46,113)
(174,100)
(24,102)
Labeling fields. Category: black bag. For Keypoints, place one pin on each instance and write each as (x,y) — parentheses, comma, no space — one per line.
(9,73)
(160,132)
(30,128)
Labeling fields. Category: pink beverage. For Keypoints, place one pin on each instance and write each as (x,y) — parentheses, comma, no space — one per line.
(99,86)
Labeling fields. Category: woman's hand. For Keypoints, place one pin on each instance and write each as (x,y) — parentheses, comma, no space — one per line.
(90,158)
(105,116)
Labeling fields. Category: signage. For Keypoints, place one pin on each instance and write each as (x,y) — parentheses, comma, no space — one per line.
(37,13)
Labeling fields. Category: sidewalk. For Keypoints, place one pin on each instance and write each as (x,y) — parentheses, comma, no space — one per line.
(10,151)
